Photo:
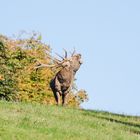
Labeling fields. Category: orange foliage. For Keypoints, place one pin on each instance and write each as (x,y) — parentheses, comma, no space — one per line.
(19,81)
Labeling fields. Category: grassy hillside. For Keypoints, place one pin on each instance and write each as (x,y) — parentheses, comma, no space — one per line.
(20,121)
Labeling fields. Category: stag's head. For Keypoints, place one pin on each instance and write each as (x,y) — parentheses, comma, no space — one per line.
(75,62)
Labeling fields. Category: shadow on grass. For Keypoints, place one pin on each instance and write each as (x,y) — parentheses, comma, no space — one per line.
(130,124)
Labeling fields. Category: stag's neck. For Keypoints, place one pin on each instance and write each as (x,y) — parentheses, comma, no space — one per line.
(74,71)
(69,70)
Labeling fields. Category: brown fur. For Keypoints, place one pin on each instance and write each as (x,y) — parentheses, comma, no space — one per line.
(62,81)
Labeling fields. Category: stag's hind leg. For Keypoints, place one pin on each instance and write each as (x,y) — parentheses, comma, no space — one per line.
(56,88)
(57,98)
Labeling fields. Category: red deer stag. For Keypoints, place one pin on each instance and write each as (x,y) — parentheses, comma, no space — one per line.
(62,81)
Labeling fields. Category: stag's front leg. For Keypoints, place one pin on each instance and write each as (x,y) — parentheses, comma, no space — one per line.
(58,98)
(64,99)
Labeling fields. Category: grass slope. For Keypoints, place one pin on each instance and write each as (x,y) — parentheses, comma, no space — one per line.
(20,121)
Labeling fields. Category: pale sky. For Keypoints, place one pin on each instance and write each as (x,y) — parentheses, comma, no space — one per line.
(105,32)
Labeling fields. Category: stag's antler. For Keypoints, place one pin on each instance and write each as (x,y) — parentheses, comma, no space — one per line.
(54,59)
(40,65)
(57,63)
(60,56)
(66,54)
(72,54)
(63,58)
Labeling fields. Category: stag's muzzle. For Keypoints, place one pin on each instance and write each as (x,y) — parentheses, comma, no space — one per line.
(81,62)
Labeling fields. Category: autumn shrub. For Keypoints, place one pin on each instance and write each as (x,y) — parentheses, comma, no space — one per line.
(20,81)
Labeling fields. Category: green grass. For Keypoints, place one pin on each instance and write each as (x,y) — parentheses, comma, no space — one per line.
(22,121)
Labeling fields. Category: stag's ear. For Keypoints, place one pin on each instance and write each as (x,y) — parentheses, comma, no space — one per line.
(78,56)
